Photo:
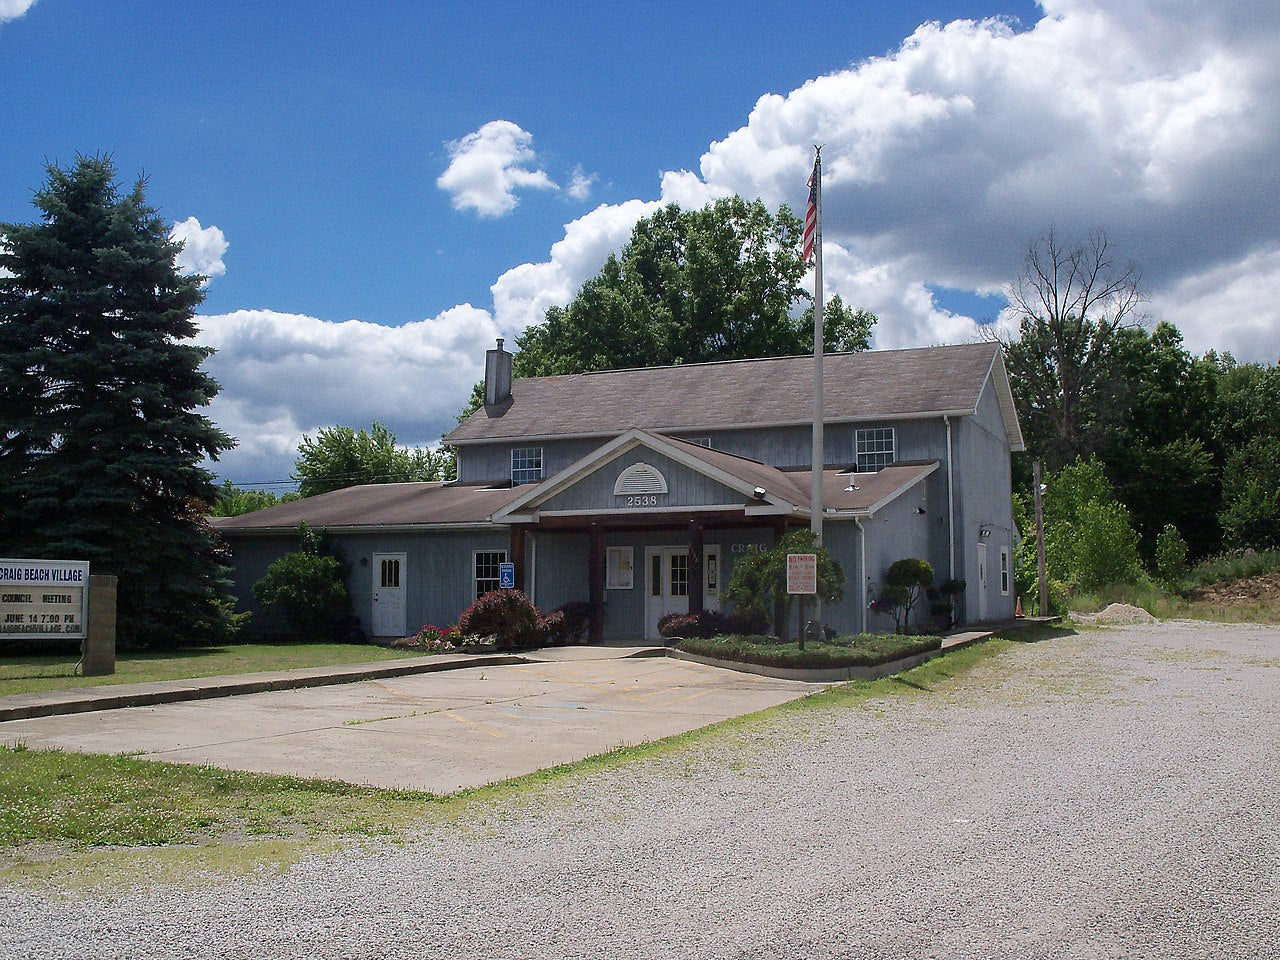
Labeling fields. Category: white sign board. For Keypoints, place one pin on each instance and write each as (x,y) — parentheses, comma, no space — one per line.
(802,573)
(44,598)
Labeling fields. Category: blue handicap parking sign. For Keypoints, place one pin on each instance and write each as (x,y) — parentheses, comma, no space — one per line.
(507,576)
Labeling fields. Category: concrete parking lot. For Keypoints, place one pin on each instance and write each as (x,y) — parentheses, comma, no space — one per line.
(440,732)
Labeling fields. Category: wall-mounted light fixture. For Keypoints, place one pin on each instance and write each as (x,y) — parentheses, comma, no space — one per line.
(984,532)
(758,493)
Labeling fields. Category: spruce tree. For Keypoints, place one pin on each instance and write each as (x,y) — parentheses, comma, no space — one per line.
(100,442)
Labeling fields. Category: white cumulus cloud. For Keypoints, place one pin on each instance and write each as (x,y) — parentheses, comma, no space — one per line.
(580,184)
(1156,121)
(12,9)
(487,167)
(284,375)
(202,248)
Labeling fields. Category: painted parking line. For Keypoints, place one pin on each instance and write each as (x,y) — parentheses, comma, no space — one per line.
(496,734)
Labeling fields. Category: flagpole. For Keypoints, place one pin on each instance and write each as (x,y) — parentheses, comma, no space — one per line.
(819,455)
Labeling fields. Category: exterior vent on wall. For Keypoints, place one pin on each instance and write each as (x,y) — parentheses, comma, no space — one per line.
(639,478)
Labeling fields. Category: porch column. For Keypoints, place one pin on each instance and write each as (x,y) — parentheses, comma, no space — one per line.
(779,604)
(595,580)
(517,553)
(695,567)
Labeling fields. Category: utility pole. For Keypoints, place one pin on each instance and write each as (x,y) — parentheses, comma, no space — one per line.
(1041,572)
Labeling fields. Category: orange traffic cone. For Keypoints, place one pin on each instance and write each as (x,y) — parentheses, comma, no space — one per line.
(1018,612)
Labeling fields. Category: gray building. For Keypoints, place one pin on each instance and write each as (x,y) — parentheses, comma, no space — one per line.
(638,490)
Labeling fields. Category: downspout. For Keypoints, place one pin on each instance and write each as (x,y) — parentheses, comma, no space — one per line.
(862,571)
(951,508)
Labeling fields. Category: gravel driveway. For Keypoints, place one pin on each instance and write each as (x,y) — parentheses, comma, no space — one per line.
(1111,794)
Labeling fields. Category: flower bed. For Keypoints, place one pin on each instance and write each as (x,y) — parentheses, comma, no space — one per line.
(862,650)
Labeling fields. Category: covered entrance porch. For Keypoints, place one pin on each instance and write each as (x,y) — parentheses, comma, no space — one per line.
(633,569)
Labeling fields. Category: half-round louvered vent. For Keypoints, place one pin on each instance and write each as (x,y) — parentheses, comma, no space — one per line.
(639,478)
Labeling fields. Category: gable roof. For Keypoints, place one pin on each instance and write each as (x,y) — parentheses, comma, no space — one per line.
(876,385)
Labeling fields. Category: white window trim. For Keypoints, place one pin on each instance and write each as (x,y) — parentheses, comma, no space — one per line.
(475,580)
(1006,573)
(541,465)
(614,568)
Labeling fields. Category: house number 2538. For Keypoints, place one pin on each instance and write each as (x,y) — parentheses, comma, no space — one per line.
(645,501)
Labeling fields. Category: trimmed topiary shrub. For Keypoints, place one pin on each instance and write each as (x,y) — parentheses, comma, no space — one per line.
(508,616)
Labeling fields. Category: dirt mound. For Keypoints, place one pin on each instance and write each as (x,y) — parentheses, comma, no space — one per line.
(1251,590)
(1114,613)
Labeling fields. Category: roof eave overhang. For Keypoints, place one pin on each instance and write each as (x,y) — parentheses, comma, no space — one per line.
(709,427)
(356,528)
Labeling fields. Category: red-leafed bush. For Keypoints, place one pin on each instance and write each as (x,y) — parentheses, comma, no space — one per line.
(712,623)
(577,617)
(680,625)
(506,615)
(553,629)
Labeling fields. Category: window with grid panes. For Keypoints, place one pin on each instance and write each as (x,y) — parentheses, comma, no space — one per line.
(873,449)
(679,575)
(526,465)
(486,570)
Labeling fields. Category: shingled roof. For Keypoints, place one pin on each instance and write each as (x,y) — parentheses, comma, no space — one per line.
(398,505)
(876,385)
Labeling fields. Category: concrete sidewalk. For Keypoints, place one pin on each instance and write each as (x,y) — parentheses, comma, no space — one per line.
(25,706)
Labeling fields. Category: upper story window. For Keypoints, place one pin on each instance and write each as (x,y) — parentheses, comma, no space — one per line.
(873,449)
(526,465)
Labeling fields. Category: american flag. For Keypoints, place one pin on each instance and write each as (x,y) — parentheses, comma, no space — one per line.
(811,215)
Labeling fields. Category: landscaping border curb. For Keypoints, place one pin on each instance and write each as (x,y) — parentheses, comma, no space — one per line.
(833,674)
(28,706)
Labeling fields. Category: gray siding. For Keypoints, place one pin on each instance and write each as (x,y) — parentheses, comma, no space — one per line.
(685,487)
(250,557)
(777,446)
(898,532)
(984,499)
(438,576)
(491,462)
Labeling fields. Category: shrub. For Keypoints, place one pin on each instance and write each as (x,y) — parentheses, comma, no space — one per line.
(1171,555)
(904,582)
(508,616)
(745,622)
(680,625)
(553,629)
(433,639)
(1106,549)
(760,579)
(577,617)
(310,590)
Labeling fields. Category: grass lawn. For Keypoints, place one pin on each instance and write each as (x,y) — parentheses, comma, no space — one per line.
(32,674)
(862,650)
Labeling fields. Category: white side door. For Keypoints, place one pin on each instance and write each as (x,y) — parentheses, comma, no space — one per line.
(982,581)
(388,618)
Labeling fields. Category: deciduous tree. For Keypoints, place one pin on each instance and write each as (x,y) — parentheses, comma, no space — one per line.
(1072,300)
(344,457)
(690,286)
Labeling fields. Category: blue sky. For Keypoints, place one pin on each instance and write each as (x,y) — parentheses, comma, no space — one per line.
(442,175)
